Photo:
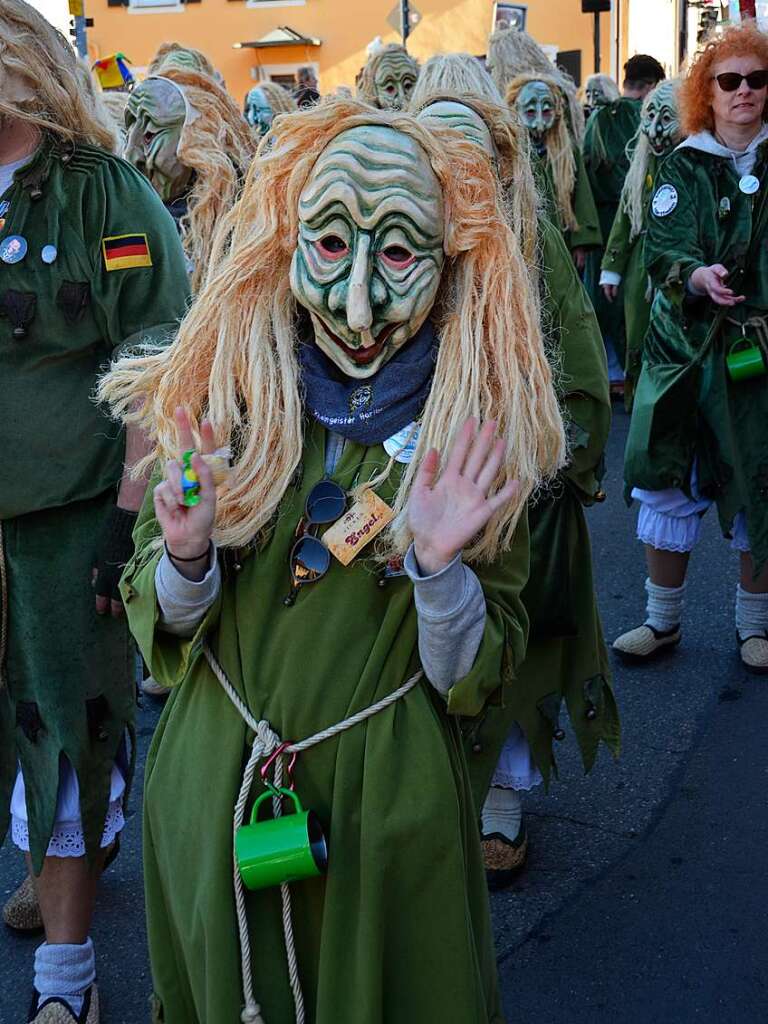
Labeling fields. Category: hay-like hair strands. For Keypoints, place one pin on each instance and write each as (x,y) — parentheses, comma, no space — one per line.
(366,82)
(559,146)
(95,99)
(512,53)
(609,87)
(167,54)
(235,357)
(279,98)
(458,73)
(33,49)
(514,167)
(695,98)
(633,190)
(217,143)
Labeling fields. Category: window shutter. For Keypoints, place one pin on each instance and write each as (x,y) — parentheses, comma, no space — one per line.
(117,3)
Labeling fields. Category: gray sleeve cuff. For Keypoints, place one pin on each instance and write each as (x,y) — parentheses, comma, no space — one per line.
(609,277)
(451,612)
(182,602)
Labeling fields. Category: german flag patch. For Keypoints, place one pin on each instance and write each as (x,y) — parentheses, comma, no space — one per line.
(124,251)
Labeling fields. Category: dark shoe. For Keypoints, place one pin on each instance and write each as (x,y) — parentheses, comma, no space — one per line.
(504,858)
(58,1011)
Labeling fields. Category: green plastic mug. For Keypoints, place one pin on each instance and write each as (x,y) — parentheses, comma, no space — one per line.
(745,360)
(284,849)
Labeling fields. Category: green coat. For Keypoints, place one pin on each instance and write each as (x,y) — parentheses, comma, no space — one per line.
(566,659)
(686,406)
(609,131)
(69,673)
(588,233)
(626,256)
(399,929)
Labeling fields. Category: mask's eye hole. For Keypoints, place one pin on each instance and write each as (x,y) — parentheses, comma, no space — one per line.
(390,89)
(332,247)
(397,256)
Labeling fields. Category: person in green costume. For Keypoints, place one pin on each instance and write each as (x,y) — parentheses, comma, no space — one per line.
(352,329)
(90,264)
(566,659)
(698,430)
(623,277)
(598,91)
(558,163)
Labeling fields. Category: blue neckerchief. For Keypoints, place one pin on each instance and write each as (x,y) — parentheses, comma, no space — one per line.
(371,410)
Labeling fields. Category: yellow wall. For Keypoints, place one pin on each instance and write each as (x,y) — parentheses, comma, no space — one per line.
(344,26)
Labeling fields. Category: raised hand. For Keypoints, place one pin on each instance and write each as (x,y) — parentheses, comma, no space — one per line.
(445,514)
(187,531)
(711,281)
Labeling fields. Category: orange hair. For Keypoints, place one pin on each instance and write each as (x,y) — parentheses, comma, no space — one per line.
(696,91)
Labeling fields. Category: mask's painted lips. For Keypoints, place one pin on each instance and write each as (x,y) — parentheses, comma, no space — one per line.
(363,356)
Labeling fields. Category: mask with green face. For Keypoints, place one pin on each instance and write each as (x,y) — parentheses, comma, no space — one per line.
(537,109)
(595,97)
(660,120)
(370,250)
(155,117)
(394,79)
(463,119)
(258,112)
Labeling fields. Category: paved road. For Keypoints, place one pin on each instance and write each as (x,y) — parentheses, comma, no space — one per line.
(644,898)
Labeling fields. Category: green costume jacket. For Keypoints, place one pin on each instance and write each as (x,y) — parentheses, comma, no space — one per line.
(103,270)
(626,256)
(588,233)
(566,659)
(399,929)
(686,407)
(609,130)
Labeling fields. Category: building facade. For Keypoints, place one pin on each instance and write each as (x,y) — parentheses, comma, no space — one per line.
(252,39)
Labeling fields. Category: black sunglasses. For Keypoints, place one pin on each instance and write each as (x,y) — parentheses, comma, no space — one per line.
(729,81)
(310,559)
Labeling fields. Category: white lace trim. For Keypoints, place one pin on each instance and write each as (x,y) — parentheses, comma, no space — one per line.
(67,837)
(527,782)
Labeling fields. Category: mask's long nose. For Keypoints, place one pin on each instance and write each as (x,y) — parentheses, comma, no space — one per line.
(359,313)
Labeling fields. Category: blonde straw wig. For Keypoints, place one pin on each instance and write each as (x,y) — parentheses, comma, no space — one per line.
(32,51)
(235,357)
(559,146)
(458,74)
(184,58)
(279,98)
(512,53)
(366,81)
(609,87)
(217,143)
(633,192)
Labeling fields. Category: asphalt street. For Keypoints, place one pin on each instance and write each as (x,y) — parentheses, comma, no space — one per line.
(645,894)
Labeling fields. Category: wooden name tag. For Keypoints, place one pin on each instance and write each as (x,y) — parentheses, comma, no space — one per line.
(356,528)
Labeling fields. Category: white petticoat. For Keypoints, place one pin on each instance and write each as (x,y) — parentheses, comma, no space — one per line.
(515,768)
(671,521)
(67,836)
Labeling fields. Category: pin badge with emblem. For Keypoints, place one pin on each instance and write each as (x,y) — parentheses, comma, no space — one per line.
(4,207)
(665,201)
(49,253)
(725,207)
(13,249)
(749,184)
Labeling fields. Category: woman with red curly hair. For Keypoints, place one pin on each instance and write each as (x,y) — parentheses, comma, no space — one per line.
(698,434)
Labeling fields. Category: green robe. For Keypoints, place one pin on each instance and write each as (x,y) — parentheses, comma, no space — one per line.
(609,131)
(686,406)
(626,256)
(587,235)
(399,929)
(566,657)
(69,672)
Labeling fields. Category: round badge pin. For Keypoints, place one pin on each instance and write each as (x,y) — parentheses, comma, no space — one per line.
(13,249)
(4,207)
(49,253)
(749,184)
(665,201)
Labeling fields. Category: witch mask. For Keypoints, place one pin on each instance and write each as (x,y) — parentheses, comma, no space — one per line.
(394,79)
(370,249)
(155,117)
(660,120)
(537,109)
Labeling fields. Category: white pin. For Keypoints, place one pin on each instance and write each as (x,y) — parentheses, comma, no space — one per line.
(402,446)
(49,253)
(665,200)
(749,184)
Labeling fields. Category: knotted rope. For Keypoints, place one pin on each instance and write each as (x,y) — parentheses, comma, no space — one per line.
(265,742)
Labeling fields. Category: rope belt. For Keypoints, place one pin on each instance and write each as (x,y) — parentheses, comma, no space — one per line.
(265,742)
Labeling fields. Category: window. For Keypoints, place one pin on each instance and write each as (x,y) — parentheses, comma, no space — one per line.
(161,6)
